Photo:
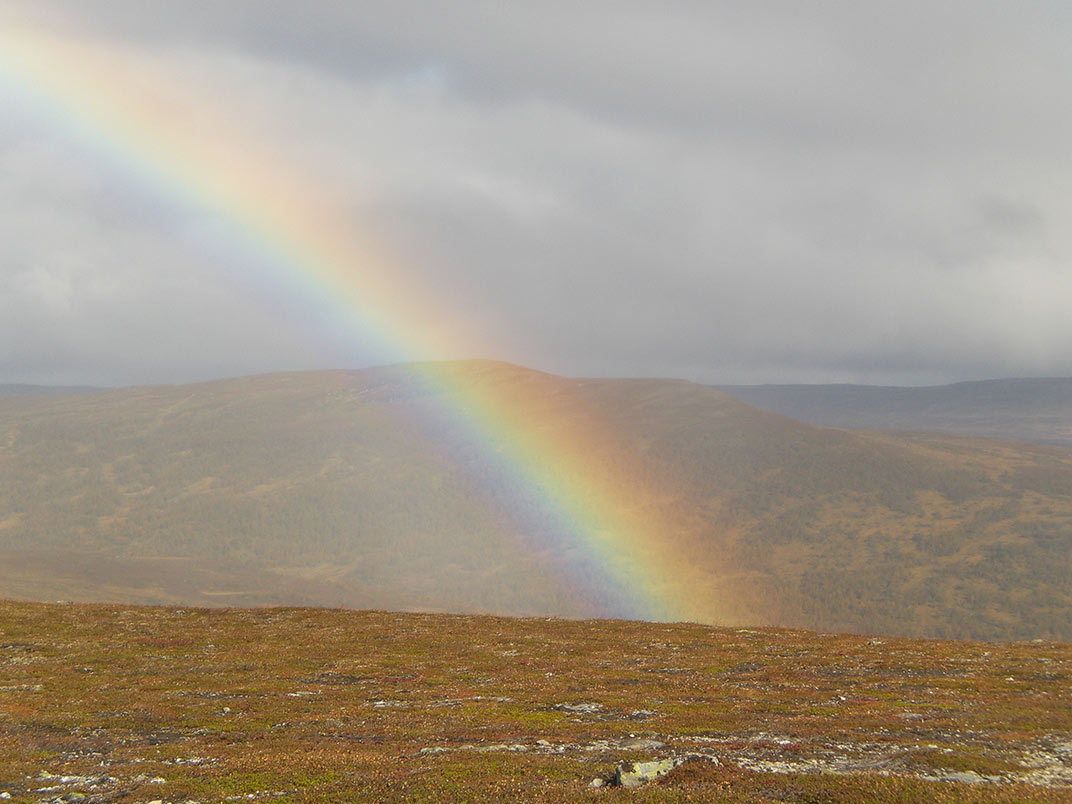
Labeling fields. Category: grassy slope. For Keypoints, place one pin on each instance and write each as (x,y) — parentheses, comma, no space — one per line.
(296,705)
(344,489)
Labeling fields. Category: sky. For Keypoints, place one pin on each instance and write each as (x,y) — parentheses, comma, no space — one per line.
(723,192)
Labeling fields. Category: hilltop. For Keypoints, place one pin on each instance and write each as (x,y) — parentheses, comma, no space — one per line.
(1038,410)
(353,489)
(122,704)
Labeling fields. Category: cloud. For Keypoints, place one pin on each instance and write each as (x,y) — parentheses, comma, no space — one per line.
(724,192)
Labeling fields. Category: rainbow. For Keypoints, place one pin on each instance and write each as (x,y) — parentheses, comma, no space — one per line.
(178,145)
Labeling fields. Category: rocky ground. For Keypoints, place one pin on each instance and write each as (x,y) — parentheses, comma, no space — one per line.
(127,704)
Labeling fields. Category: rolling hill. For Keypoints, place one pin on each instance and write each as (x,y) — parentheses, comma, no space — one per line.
(21,389)
(1038,410)
(352,489)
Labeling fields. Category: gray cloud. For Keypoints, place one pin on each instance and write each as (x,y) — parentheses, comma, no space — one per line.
(723,191)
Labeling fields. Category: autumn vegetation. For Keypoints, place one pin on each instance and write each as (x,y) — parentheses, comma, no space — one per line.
(354,489)
(134,704)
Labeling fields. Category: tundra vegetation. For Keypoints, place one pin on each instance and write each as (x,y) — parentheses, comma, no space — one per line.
(107,703)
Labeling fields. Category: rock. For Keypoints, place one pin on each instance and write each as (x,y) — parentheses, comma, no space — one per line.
(635,774)
(433,750)
(389,704)
(964,777)
(641,744)
(579,708)
(599,781)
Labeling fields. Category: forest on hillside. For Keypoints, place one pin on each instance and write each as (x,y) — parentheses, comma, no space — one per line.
(347,488)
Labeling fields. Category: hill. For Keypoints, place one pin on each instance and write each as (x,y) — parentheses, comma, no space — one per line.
(353,489)
(107,703)
(1038,410)
(20,389)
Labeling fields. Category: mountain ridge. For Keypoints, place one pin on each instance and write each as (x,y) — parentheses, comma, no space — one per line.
(1035,409)
(351,488)
(24,389)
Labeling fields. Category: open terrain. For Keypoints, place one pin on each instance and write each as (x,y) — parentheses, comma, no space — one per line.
(1035,409)
(354,489)
(137,704)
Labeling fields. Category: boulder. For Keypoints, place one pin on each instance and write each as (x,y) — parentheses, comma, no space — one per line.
(635,774)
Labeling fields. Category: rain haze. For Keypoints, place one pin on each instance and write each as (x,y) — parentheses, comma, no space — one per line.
(722,192)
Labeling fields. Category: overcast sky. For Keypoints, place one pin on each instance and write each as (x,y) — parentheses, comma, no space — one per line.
(868,192)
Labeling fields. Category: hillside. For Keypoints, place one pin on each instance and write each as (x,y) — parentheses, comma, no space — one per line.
(1038,410)
(21,389)
(352,489)
(107,703)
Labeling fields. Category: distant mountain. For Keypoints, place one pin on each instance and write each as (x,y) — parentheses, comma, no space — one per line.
(18,389)
(353,488)
(1038,410)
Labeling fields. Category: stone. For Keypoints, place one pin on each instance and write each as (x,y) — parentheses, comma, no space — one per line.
(964,777)
(641,744)
(580,708)
(635,774)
